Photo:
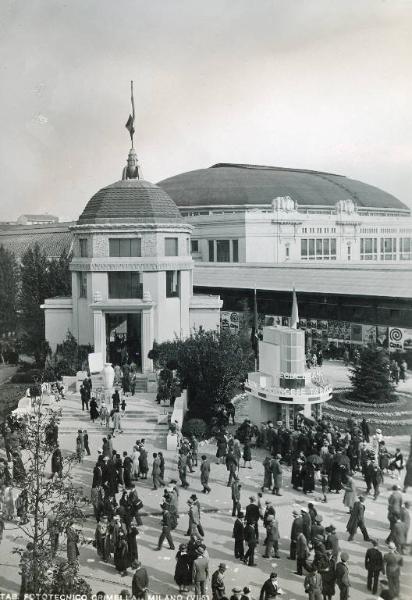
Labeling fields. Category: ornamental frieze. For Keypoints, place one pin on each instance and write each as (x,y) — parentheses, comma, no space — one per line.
(103,267)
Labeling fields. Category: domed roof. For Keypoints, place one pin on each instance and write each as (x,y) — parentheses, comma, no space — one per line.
(238,185)
(130,201)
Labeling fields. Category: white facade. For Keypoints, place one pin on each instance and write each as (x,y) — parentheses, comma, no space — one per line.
(286,233)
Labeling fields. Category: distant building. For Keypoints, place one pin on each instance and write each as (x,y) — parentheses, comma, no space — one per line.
(37,219)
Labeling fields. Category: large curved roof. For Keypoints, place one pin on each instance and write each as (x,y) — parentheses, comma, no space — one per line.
(236,184)
(130,201)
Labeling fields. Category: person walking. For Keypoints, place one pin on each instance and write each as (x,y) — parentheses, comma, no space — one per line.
(342,576)
(84,397)
(183,570)
(392,563)
(272,537)
(247,455)
(200,573)
(267,473)
(277,475)
(218,584)
(252,515)
(166,529)
(94,411)
(374,566)
(156,471)
(251,540)
(296,529)
(350,494)
(239,536)
(205,474)
(236,489)
(357,519)
(302,553)
(86,442)
(232,467)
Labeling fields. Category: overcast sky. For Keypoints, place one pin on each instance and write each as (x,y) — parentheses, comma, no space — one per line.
(310,84)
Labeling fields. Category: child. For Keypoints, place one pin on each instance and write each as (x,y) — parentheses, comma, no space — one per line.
(324,483)
(123,404)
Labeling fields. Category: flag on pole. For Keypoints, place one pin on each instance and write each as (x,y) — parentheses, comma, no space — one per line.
(130,121)
(295,314)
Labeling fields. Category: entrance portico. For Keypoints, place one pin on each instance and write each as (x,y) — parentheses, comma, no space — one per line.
(144,309)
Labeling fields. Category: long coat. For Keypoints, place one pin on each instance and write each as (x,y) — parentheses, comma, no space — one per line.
(277,474)
(350,495)
(357,517)
(183,570)
(204,472)
(328,578)
(121,555)
(267,475)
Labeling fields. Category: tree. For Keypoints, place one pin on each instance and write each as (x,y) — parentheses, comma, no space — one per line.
(370,377)
(59,276)
(46,496)
(34,290)
(211,365)
(9,277)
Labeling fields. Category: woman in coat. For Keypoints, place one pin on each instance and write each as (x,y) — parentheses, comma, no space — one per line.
(94,412)
(267,473)
(247,455)
(143,464)
(350,495)
(121,555)
(221,449)
(183,570)
(135,462)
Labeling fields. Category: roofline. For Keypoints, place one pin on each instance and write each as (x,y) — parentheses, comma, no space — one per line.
(272,168)
(303,206)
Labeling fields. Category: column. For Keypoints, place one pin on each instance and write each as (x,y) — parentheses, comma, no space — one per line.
(147,339)
(99,333)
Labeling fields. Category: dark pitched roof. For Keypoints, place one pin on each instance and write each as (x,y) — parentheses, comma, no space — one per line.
(52,239)
(237,184)
(130,201)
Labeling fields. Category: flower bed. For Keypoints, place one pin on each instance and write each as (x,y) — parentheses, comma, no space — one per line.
(401,401)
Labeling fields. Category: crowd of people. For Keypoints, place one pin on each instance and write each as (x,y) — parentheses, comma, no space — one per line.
(321,460)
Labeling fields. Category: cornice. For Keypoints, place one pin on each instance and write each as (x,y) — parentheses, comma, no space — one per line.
(103,265)
(116,227)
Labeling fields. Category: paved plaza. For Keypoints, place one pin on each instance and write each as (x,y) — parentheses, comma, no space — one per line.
(140,421)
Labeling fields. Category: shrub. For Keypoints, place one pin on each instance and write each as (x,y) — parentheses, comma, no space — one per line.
(195,427)
(31,376)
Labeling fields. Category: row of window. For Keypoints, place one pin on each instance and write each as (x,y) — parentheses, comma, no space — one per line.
(318,229)
(126,247)
(127,284)
(387,248)
(223,250)
(318,249)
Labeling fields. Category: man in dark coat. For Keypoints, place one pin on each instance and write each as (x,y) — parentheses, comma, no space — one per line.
(239,536)
(342,576)
(307,523)
(251,540)
(277,475)
(231,466)
(357,519)
(166,529)
(140,582)
(252,515)
(373,565)
(327,572)
(217,582)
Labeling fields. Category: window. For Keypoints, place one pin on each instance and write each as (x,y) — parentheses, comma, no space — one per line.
(171,247)
(388,248)
(211,251)
(172,284)
(235,250)
(125,247)
(405,248)
(195,245)
(318,249)
(82,284)
(125,284)
(369,249)
(222,251)
(287,251)
(349,252)
(83,247)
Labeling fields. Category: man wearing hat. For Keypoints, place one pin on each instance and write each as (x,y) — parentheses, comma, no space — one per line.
(218,585)
(239,536)
(392,563)
(166,529)
(277,475)
(252,514)
(272,537)
(270,589)
(342,576)
(373,565)
(236,593)
(251,540)
(205,474)
(200,573)
(307,522)
(357,519)
(317,528)
(327,572)
(332,542)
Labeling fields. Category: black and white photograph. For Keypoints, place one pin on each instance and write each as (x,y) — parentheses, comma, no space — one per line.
(205,300)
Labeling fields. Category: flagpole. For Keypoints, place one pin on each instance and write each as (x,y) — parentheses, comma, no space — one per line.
(133,115)
(255,324)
